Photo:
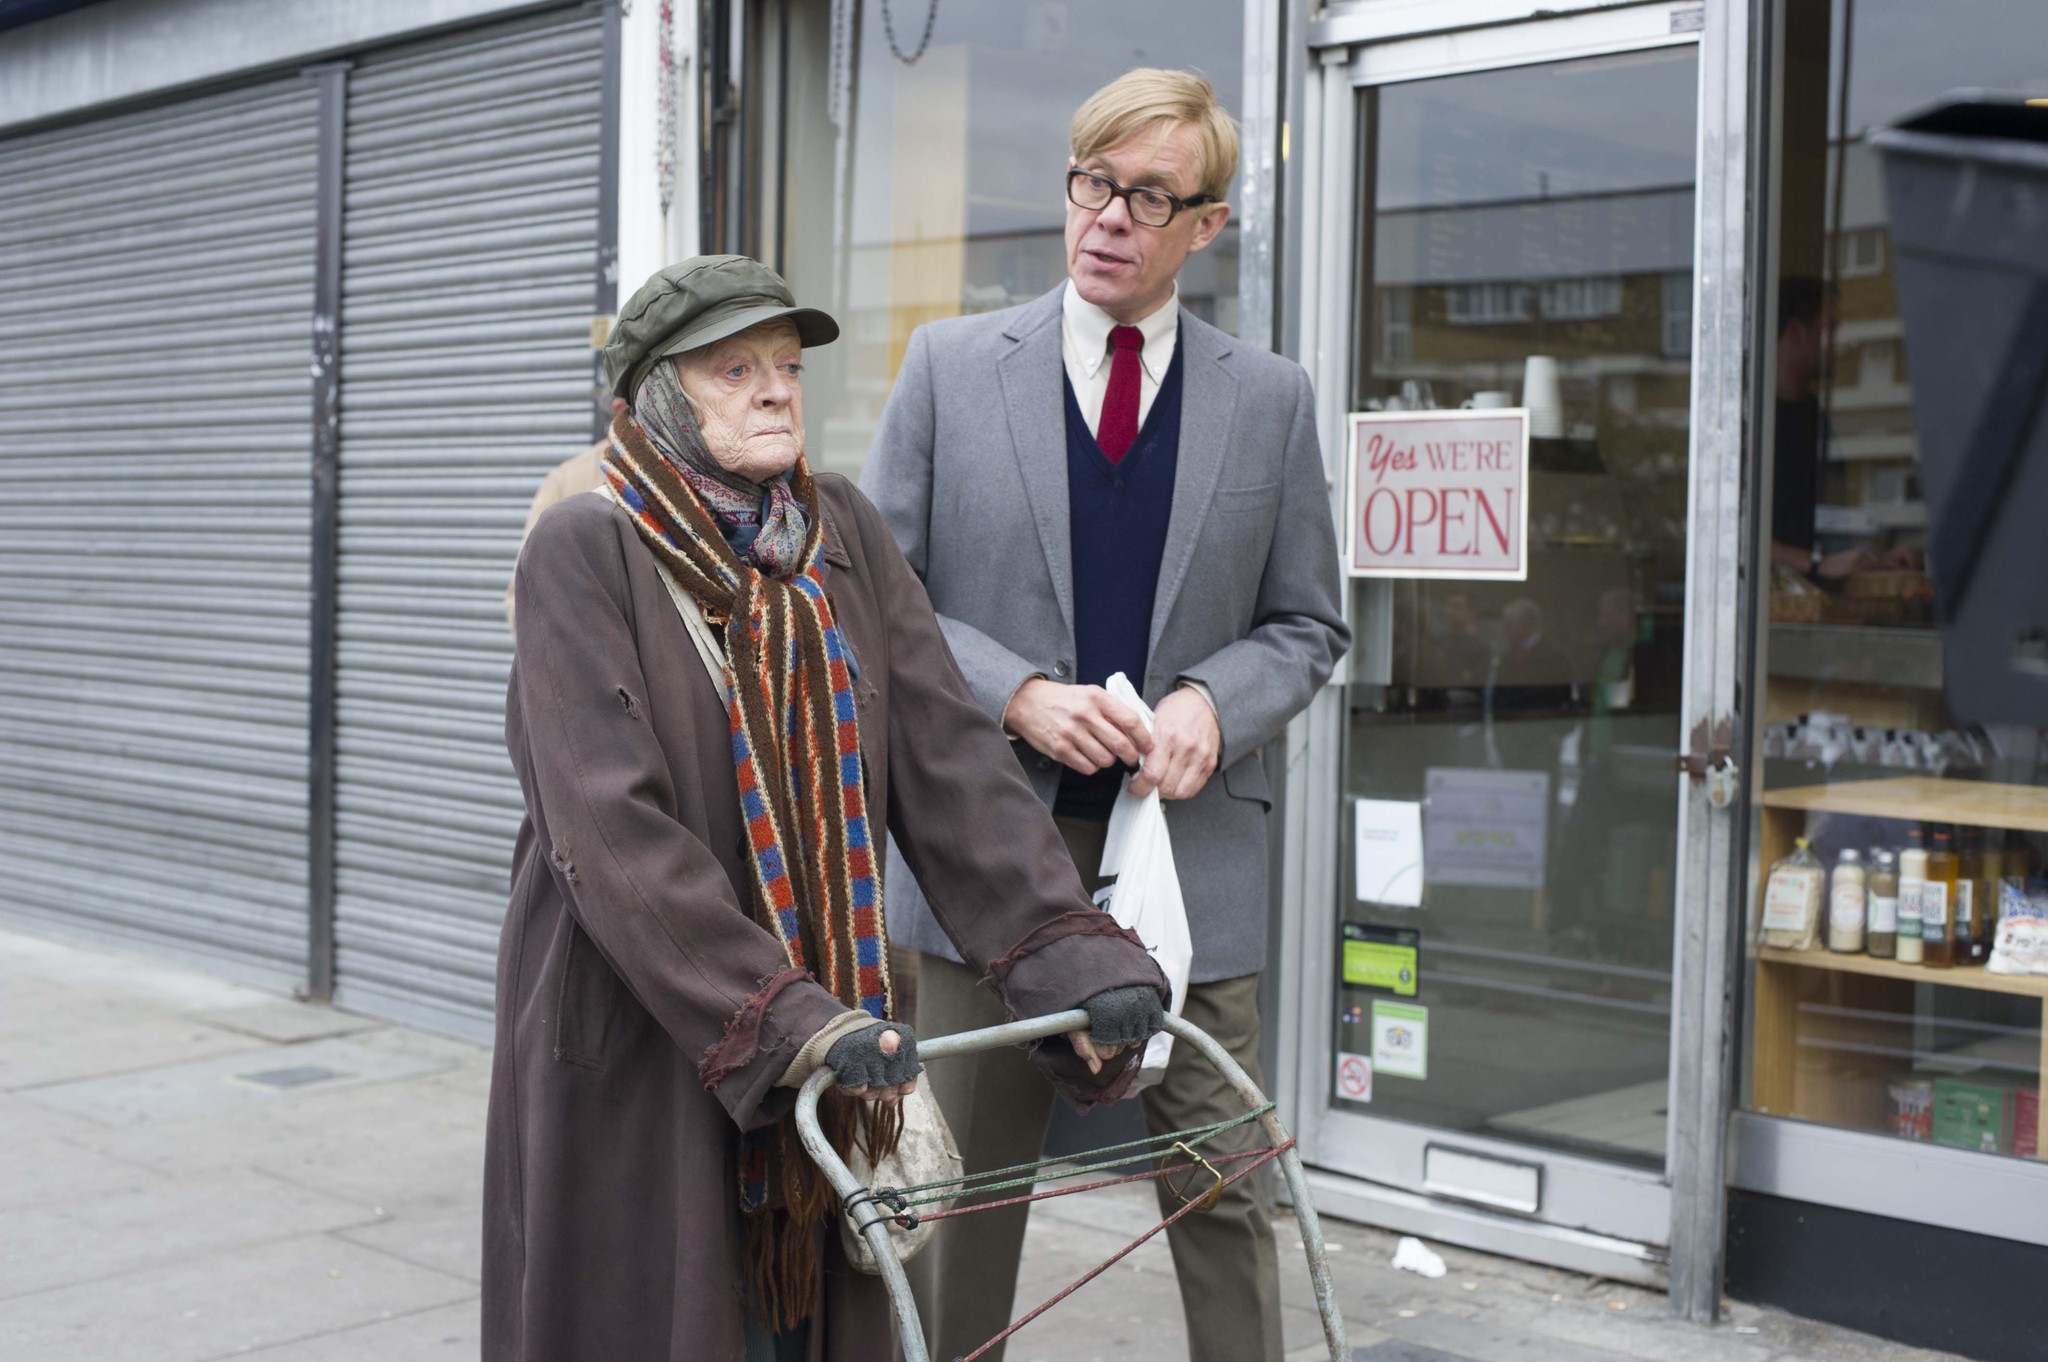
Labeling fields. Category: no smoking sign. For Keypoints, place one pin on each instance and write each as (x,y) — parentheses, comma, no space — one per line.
(1354,1078)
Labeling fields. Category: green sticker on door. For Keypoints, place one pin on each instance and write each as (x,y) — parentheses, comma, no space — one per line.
(1381,957)
(1400,1040)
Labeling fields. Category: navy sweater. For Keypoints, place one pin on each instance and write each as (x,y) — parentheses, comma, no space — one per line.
(1118,514)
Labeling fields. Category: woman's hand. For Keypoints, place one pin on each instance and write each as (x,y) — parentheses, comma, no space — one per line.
(1118,1018)
(877,1062)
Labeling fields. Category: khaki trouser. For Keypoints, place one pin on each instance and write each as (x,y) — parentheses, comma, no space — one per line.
(999,1105)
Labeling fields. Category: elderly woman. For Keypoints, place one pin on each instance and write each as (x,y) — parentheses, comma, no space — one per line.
(727,679)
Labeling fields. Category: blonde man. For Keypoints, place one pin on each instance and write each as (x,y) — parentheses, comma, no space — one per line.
(1100,482)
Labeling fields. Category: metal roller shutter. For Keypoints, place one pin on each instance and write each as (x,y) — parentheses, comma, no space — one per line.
(156,297)
(468,276)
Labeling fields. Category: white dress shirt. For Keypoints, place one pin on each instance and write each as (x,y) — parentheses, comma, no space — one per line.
(1084,345)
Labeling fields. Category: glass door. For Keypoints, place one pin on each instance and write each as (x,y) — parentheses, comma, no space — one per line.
(1522,207)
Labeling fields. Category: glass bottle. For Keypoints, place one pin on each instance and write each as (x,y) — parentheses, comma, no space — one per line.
(1971,897)
(1881,938)
(1992,875)
(1937,903)
(1912,880)
(1847,903)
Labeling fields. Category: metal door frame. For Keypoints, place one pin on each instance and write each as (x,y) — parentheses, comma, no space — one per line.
(1672,1225)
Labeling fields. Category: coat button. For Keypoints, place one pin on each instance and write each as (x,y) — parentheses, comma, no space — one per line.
(1062,668)
(1045,763)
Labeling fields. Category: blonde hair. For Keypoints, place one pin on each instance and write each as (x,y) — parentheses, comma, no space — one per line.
(1143,98)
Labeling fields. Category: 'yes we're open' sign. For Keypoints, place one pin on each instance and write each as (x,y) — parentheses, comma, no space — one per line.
(1441,494)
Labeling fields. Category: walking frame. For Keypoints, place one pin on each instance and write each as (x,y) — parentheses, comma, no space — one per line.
(873,1208)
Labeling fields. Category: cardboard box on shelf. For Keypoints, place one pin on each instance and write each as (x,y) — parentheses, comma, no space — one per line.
(1991,1114)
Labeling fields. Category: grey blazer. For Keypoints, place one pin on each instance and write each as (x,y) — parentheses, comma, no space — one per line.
(969,469)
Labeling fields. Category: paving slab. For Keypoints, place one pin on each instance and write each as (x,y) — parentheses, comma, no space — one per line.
(161,1222)
(22,1120)
(284,1022)
(403,1143)
(51,1170)
(448,1333)
(116,978)
(448,1240)
(230,1082)
(106,1049)
(214,1305)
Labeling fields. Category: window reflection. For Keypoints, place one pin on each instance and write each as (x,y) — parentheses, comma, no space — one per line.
(947,172)
(1530,244)
(1873,1019)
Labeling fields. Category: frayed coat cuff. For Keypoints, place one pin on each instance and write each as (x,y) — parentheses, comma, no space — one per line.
(742,1070)
(812,1055)
(1060,965)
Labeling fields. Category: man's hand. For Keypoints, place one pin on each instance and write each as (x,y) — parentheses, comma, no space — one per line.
(1836,566)
(1081,727)
(1185,744)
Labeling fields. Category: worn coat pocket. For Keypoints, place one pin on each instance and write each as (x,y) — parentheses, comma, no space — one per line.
(586,995)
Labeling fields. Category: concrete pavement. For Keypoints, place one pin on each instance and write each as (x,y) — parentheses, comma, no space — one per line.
(198,1170)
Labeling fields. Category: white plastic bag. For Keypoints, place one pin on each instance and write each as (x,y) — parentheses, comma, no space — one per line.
(1145,893)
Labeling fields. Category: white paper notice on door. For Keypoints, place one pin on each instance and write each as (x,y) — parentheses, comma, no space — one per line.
(1388,867)
(1485,827)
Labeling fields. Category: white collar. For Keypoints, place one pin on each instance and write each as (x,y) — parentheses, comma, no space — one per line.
(1088,328)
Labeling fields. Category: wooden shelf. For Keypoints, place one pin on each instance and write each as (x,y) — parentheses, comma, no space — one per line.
(1972,803)
(1960,976)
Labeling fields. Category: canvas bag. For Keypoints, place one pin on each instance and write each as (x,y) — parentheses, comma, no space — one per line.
(1145,893)
(926,1152)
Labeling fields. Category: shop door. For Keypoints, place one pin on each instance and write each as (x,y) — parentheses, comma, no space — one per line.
(1521,202)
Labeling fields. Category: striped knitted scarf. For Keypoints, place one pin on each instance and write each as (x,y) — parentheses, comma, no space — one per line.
(815,884)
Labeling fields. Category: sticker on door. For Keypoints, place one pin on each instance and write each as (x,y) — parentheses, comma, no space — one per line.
(1400,1039)
(1354,1078)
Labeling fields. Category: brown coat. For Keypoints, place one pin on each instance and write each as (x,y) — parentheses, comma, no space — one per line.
(611,1220)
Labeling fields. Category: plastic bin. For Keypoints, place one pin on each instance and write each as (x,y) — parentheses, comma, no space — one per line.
(1967,184)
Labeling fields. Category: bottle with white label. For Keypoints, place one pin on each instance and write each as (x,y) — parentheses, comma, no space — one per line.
(1847,903)
(1881,936)
(1912,881)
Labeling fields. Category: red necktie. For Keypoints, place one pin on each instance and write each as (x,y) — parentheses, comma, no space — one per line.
(1119,424)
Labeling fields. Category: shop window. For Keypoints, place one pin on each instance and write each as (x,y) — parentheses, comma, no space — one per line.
(1894,1003)
(917,170)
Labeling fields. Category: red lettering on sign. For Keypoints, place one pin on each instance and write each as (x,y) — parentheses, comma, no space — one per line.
(1417,518)
(1391,504)
(1498,523)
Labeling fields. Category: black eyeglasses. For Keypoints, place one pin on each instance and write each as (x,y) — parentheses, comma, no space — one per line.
(1148,207)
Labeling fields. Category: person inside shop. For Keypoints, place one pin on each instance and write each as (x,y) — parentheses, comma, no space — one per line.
(1805,329)
(1461,653)
(693,929)
(1532,672)
(1100,482)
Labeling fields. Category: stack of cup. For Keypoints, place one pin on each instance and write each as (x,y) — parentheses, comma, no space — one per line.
(1543,396)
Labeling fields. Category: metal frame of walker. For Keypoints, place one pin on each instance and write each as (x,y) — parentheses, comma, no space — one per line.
(1040,1028)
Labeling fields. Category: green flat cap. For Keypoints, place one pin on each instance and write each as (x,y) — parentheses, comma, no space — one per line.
(700,300)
